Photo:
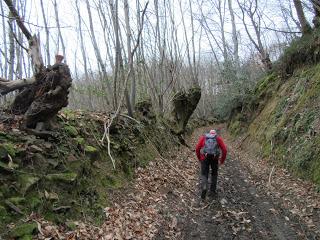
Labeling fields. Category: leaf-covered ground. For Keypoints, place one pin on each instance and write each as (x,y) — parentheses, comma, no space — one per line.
(163,203)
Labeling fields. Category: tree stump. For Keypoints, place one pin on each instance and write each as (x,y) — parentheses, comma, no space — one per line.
(41,101)
(184,104)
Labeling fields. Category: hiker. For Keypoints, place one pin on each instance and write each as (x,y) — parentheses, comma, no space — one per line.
(208,153)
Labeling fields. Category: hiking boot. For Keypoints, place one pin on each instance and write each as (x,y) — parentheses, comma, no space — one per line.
(203,194)
(213,194)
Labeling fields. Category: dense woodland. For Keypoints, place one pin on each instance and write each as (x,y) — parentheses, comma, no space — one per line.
(120,52)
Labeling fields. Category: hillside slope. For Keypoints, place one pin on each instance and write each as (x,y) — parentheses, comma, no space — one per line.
(280,120)
(70,176)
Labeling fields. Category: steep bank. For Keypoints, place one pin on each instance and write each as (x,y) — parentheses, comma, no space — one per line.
(69,176)
(280,120)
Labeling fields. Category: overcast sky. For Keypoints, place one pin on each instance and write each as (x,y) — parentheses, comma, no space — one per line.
(69,24)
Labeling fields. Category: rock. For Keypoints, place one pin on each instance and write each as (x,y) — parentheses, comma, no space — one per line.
(53,162)
(61,209)
(35,149)
(64,177)
(71,130)
(91,152)
(72,158)
(48,146)
(26,181)
(25,229)
(51,195)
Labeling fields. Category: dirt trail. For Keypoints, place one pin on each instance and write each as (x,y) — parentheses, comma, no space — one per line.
(163,202)
(246,206)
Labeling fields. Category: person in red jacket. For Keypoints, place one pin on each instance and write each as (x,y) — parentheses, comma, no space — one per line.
(208,152)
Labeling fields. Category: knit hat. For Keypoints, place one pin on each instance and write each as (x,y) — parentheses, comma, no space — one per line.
(213,132)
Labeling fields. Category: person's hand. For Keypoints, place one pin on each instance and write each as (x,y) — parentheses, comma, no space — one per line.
(220,162)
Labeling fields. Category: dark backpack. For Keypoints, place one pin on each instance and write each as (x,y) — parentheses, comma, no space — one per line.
(211,146)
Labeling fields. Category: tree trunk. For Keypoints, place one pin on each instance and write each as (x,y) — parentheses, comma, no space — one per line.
(5,50)
(11,44)
(130,101)
(47,92)
(316,18)
(234,35)
(59,29)
(47,33)
(304,25)
(97,51)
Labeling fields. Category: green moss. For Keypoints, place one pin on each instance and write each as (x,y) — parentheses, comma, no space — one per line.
(235,127)
(80,140)
(24,229)
(17,200)
(62,177)
(286,115)
(316,171)
(90,149)
(69,114)
(7,148)
(26,237)
(265,84)
(3,214)
(34,202)
(26,181)
(66,171)
(71,130)
(8,167)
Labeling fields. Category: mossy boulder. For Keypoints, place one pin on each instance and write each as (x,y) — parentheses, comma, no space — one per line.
(91,152)
(62,177)
(26,229)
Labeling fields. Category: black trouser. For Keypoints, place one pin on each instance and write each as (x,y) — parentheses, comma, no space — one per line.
(205,167)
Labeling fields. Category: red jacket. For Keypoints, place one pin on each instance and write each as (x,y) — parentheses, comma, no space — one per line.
(221,144)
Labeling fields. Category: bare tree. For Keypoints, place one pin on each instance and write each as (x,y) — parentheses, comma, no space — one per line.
(250,9)
(47,33)
(97,50)
(11,43)
(130,101)
(4,50)
(56,11)
(234,35)
(304,25)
